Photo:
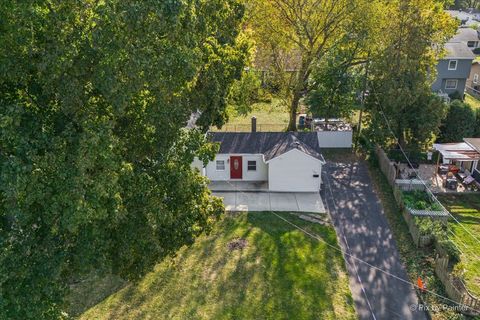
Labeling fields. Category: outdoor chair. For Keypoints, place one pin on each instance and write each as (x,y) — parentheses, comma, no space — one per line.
(468,180)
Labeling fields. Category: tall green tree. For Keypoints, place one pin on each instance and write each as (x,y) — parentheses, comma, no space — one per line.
(295,35)
(94,164)
(402,71)
(334,86)
(459,123)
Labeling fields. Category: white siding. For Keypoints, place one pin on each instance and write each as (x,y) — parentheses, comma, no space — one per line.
(261,174)
(335,139)
(293,172)
(198,165)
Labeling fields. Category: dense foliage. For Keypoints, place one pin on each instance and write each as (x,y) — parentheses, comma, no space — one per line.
(245,92)
(401,74)
(333,88)
(94,164)
(420,200)
(294,36)
(459,123)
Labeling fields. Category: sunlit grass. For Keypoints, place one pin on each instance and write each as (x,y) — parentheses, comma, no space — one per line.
(271,116)
(472,101)
(281,274)
(466,209)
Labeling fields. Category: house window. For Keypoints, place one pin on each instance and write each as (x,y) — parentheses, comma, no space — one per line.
(471,44)
(475,78)
(451,84)
(220,164)
(252,165)
(452,65)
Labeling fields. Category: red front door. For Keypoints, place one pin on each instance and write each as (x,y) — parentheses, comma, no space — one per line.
(235,167)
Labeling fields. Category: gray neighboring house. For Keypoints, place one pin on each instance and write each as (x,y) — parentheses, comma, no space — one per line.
(468,36)
(453,70)
(467,18)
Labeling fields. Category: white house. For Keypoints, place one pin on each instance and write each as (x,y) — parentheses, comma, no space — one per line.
(286,161)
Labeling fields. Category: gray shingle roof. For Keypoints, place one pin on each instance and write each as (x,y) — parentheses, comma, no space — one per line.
(465,35)
(458,50)
(270,144)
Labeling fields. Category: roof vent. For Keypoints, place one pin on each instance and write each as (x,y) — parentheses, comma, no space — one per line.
(296,144)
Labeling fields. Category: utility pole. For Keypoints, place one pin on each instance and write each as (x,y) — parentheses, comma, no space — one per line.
(364,92)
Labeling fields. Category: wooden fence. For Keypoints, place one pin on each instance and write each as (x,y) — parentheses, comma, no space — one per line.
(419,239)
(455,289)
(386,166)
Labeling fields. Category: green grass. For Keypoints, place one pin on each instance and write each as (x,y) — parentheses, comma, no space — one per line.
(472,101)
(270,117)
(281,274)
(466,209)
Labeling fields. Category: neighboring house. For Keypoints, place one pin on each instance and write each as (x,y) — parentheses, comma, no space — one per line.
(468,36)
(473,81)
(467,18)
(287,161)
(454,69)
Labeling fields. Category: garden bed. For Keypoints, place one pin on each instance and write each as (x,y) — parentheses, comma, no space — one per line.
(420,200)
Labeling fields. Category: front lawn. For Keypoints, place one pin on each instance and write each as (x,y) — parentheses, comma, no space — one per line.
(466,208)
(280,273)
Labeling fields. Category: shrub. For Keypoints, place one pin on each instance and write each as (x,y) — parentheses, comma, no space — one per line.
(477,124)
(420,200)
(459,123)
(455,96)
(428,226)
(450,249)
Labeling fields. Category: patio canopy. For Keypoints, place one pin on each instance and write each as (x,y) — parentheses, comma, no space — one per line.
(457,151)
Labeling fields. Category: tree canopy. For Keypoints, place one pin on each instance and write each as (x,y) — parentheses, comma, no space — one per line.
(297,34)
(402,71)
(94,163)
(459,123)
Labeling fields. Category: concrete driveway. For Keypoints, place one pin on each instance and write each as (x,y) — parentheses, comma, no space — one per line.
(271,201)
(363,232)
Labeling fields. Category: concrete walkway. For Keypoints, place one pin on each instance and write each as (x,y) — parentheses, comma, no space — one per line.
(272,201)
(363,232)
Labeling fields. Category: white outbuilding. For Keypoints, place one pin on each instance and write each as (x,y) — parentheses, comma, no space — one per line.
(285,161)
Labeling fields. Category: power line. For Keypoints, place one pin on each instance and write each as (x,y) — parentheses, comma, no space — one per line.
(363,261)
(348,248)
(427,188)
(370,265)
(457,239)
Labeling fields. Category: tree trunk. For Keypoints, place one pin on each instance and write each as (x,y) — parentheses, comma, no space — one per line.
(297,94)
(292,124)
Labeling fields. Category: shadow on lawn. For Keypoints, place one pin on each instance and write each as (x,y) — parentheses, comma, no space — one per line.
(281,274)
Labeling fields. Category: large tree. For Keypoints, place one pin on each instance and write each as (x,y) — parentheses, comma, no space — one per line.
(94,164)
(459,123)
(403,69)
(295,35)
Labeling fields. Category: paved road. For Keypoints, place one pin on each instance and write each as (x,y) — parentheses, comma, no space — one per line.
(363,231)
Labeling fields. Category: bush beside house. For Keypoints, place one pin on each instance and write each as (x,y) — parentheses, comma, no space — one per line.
(459,123)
